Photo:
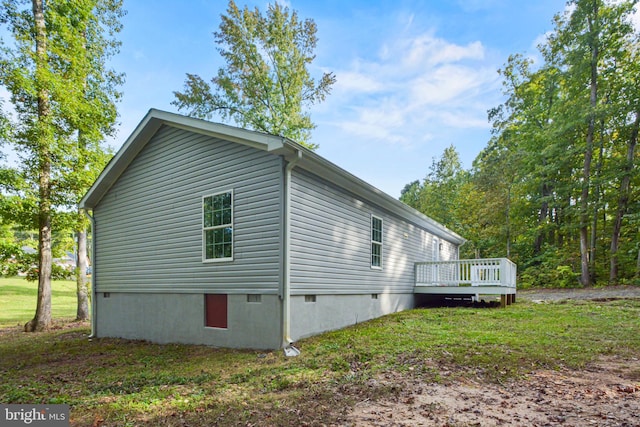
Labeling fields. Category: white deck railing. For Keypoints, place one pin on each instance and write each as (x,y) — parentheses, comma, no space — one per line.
(469,272)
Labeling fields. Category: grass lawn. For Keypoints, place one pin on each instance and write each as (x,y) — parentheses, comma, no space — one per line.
(112,382)
(18,300)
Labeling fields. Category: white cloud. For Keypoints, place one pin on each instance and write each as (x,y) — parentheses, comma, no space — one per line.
(416,88)
(377,123)
(635,19)
(356,81)
(5,103)
(283,3)
(569,8)
(464,120)
(541,40)
(426,50)
(429,50)
(139,55)
(447,84)
(409,21)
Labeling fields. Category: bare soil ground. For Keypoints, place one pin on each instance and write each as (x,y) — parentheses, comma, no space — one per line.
(606,393)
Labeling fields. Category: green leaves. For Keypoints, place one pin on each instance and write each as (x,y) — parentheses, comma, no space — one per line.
(72,78)
(446,194)
(81,91)
(565,128)
(562,164)
(265,84)
(55,68)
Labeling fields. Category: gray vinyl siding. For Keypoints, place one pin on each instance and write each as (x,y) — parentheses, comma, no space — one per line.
(149,224)
(331,243)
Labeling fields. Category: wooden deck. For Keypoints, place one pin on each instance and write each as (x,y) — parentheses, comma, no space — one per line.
(468,277)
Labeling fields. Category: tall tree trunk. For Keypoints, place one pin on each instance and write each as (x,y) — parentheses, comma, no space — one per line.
(585,277)
(597,193)
(82,289)
(42,318)
(543,213)
(558,218)
(623,200)
(82,283)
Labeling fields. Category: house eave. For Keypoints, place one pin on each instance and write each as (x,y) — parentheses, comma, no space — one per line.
(277,145)
(149,125)
(328,171)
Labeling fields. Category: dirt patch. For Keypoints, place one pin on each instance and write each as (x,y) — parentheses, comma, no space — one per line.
(604,394)
(56,325)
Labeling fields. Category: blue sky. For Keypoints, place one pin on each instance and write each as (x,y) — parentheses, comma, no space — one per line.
(413,77)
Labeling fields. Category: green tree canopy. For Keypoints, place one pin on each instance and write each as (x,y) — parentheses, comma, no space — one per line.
(265,84)
(557,187)
(54,66)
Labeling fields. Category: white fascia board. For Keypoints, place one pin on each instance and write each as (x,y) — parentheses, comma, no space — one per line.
(259,140)
(118,163)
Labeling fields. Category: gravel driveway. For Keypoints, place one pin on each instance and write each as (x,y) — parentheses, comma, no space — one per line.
(582,293)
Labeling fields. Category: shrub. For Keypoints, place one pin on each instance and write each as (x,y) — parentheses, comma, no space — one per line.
(14,260)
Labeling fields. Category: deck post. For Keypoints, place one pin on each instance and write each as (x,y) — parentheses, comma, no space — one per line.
(503,300)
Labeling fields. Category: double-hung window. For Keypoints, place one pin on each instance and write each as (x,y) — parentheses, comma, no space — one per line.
(376,242)
(217,227)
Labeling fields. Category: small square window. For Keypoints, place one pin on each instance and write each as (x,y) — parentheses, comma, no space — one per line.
(309,298)
(254,298)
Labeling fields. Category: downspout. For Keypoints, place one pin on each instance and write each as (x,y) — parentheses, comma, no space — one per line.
(93,275)
(289,350)
(458,249)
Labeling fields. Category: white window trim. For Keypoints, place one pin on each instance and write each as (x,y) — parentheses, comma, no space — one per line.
(204,230)
(381,243)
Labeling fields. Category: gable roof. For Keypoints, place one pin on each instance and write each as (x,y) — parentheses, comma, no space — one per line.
(308,160)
